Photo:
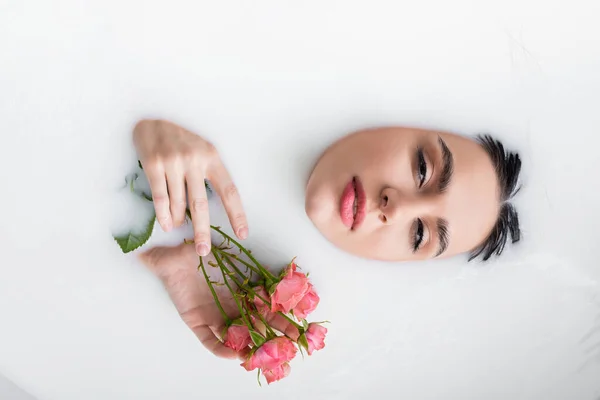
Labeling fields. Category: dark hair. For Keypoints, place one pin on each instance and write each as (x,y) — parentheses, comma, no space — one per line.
(508,166)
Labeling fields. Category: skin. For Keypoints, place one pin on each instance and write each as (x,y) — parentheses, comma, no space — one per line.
(385,161)
(177,268)
(175,159)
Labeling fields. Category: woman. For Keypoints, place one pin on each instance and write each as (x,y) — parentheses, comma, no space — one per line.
(394,194)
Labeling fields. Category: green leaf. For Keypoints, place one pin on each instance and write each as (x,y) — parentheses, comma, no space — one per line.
(257,338)
(272,288)
(133,240)
(145,196)
(301,352)
(131,179)
(303,341)
(305,324)
(258,378)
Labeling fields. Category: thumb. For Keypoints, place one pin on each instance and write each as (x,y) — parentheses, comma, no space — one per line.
(161,258)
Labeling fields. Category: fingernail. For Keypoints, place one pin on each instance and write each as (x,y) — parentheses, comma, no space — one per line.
(243,233)
(166,225)
(202,249)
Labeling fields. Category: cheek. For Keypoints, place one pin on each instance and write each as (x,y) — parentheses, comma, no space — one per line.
(386,244)
(392,167)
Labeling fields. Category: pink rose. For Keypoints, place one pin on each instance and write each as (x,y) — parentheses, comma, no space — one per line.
(315,336)
(278,373)
(308,303)
(261,306)
(271,355)
(289,291)
(238,337)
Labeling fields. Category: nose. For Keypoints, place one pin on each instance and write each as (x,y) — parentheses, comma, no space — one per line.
(395,206)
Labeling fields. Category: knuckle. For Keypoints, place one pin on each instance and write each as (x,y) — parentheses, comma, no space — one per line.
(210,149)
(200,205)
(151,162)
(192,318)
(201,237)
(160,200)
(239,218)
(209,152)
(230,191)
(171,157)
(178,202)
(193,157)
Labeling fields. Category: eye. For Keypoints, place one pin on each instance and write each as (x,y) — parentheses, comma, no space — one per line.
(418,234)
(421,168)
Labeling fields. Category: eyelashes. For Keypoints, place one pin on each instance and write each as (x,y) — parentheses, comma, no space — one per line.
(421,178)
(421,167)
(417,239)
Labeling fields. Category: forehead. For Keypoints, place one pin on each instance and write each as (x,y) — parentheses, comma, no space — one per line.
(470,205)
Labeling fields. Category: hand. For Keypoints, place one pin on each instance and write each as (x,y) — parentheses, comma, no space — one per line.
(177,268)
(172,158)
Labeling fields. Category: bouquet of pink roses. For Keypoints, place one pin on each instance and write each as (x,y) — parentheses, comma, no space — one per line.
(260,296)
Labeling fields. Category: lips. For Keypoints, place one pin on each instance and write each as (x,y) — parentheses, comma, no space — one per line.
(352,204)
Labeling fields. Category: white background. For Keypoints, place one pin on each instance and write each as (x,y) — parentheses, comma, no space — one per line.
(271,83)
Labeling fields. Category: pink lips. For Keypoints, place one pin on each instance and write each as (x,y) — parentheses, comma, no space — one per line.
(353,192)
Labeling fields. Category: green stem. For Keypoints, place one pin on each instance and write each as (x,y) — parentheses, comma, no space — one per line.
(291,321)
(251,290)
(243,285)
(237,303)
(250,266)
(260,267)
(225,256)
(269,329)
(231,263)
(214,294)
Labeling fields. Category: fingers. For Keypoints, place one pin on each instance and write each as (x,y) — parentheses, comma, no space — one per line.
(208,336)
(177,198)
(283,325)
(212,343)
(218,333)
(175,266)
(199,211)
(243,354)
(160,195)
(231,200)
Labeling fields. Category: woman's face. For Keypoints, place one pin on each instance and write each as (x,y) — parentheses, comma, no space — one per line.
(402,194)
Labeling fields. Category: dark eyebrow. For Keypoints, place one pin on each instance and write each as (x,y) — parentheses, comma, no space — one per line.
(447,166)
(442,228)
